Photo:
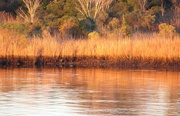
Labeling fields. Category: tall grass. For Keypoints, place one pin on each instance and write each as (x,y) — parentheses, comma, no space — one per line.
(7,17)
(151,47)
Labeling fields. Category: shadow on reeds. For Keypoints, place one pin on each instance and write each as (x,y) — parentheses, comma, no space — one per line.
(87,62)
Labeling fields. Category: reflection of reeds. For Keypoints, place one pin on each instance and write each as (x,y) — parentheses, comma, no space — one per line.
(139,48)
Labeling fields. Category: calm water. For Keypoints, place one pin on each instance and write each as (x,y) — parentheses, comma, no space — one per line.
(88,92)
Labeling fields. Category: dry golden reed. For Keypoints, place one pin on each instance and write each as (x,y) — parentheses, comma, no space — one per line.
(111,47)
(6,17)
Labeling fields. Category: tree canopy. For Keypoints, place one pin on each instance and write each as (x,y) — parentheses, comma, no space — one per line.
(95,15)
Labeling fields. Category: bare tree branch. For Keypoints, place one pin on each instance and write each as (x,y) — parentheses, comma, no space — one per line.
(162,7)
(92,8)
(32,6)
(142,4)
(22,14)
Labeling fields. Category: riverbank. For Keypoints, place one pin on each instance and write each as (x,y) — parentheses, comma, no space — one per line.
(143,51)
(134,63)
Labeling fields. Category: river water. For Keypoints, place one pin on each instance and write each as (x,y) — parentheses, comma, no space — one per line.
(88,92)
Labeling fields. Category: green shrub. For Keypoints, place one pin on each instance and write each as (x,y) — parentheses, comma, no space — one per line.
(125,29)
(93,35)
(147,21)
(17,27)
(26,29)
(167,31)
(114,24)
(69,26)
(34,30)
(102,20)
(87,25)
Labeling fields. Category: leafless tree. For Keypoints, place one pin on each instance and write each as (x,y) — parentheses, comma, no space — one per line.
(162,8)
(92,8)
(142,5)
(32,6)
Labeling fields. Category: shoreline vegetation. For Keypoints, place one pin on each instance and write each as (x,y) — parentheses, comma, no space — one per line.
(124,34)
(140,51)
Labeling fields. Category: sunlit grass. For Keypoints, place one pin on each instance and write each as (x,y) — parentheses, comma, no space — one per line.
(151,47)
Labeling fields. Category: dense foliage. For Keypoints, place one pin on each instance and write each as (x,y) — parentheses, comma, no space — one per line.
(122,16)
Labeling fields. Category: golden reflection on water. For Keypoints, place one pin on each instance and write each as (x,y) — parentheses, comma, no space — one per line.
(105,91)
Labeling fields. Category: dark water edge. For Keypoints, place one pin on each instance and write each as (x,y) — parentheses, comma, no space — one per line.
(91,62)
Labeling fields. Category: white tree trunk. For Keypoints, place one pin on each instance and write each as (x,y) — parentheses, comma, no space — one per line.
(32,6)
(142,4)
(92,8)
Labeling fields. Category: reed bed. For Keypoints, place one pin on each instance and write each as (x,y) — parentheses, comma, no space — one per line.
(7,17)
(143,48)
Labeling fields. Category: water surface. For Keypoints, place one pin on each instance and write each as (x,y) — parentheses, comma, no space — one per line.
(88,92)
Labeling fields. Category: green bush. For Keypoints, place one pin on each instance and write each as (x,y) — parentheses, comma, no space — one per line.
(114,24)
(17,27)
(147,21)
(93,35)
(87,25)
(69,26)
(34,30)
(125,29)
(167,31)
(26,29)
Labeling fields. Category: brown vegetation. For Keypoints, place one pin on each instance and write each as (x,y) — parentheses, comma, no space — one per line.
(6,17)
(138,51)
